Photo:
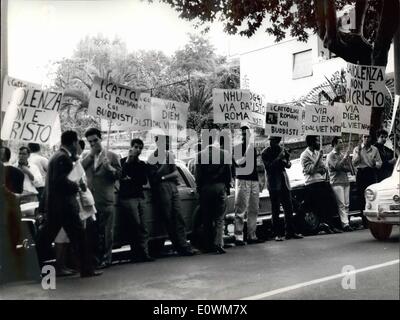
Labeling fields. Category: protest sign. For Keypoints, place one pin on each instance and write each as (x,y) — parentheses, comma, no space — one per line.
(258,107)
(142,121)
(365,85)
(355,119)
(283,121)
(394,130)
(231,106)
(31,116)
(168,115)
(9,86)
(115,102)
(322,121)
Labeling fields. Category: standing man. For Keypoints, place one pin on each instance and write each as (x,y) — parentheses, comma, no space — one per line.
(367,160)
(247,190)
(61,204)
(319,193)
(131,200)
(387,156)
(276,160)
(40,162)
(13,177)
(213,182)
(163,176)
(338,166)
(102,169)
(33,178)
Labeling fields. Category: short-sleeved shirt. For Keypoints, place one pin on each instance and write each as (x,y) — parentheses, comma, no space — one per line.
(42,164)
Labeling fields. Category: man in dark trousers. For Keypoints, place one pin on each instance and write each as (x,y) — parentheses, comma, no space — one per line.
(276,160)
(131,201)
(103,169)
(61,203)
(213,183)
(163,176)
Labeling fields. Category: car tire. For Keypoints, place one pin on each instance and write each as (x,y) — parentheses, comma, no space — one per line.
(380,231)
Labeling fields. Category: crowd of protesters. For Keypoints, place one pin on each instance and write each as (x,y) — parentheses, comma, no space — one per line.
(78,198)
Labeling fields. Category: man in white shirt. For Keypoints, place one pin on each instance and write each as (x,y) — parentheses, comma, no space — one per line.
(33,178)
(39,161)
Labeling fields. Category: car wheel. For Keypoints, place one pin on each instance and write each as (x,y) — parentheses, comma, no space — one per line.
(310,223)
(380,231)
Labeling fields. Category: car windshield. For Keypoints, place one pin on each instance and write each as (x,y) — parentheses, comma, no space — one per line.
(398,165)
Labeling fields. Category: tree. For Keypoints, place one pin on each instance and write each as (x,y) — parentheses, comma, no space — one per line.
(369,43)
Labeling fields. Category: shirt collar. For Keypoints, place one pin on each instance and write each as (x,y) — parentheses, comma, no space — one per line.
(67,151)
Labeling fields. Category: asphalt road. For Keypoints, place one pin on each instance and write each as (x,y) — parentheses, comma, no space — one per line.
(310,268)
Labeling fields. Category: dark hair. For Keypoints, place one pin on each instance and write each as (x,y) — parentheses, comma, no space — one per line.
(381,132)
(335,141)
(137,141)
(7,153)
(69,137)
(34,147)
(81,144)
(93,131)
(25,148)
(310,140)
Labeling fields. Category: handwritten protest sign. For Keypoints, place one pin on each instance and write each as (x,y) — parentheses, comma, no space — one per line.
(115,102)
(355,119)
(31,116)
(142,121)
(394,130)
(9,86)
(283,121)
(169,115)
(322,120)
(258,107)
(231,106)
(365,85)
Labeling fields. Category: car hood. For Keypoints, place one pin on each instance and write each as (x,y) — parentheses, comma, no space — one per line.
(389,184)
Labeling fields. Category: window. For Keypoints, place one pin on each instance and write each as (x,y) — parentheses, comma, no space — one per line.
(302,64)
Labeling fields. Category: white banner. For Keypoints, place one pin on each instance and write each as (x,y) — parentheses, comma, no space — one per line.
(322,120)
(231,106)
(258,107)
(31,116)
(365,85)
(283,121)
(168,115)
(9,86)
(355,119)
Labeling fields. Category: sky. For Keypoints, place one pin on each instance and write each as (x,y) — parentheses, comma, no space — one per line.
(41,32)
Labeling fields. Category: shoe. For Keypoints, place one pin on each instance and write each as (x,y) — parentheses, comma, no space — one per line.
(336,230)
(103,266)
(64,272)
(278,238)
(239,243)
(347,228)
(254,241)
(324,227)
(91,274)
(219,250)
(294,236)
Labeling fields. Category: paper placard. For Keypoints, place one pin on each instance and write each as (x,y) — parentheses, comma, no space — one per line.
(322,120)
(283,121)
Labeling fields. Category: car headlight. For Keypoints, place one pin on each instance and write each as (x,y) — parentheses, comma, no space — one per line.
(370,195)
(396,198)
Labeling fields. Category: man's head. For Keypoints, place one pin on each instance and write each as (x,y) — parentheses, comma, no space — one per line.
(5,154)
(274,141)
(366,140)
(136,148)
(337,143)
(313,142)
(81,147)
(69,140)
(93,136)
(381,136)
(34,147)
(23,155)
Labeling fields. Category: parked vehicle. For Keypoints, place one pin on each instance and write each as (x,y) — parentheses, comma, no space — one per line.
(382,207)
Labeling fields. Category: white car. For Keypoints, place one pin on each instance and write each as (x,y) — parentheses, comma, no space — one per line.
(382,207)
